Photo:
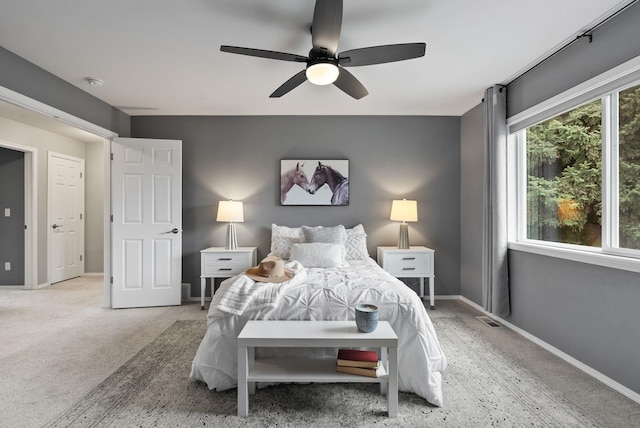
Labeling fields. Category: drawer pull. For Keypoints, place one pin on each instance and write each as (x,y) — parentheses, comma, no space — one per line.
(408,258)
(226,259)
(408,268)
(225,269)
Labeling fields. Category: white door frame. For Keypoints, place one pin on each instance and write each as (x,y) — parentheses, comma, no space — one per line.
(34,105)
(30,211)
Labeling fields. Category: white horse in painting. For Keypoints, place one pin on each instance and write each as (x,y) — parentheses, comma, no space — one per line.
(337,182)
(288,179)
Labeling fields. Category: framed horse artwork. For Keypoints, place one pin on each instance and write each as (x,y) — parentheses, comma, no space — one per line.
(314,182)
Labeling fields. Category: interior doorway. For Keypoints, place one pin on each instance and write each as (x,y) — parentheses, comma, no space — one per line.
(29,279)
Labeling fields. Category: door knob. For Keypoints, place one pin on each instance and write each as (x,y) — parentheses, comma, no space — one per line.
(174,230)
(55,226)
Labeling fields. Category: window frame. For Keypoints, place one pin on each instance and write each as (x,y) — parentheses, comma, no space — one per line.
(605,87)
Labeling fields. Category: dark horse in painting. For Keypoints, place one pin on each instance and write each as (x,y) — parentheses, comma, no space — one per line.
(288,179)
(337,182)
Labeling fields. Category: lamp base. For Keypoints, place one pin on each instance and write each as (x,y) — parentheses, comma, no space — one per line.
(403,237)
(232,240)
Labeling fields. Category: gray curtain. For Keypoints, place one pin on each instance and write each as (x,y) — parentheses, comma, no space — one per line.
(495,274)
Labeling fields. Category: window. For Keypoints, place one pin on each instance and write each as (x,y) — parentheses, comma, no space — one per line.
(577,172)
(564,170)
(629,168)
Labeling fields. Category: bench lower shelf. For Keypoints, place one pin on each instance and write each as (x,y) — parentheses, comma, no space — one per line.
(320,370)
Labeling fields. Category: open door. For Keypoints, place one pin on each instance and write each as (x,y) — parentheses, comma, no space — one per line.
(146,193)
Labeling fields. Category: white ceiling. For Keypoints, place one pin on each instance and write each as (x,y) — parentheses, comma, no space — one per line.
(162,57)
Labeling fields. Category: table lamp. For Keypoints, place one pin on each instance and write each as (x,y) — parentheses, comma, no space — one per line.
(230,211)
(404,211)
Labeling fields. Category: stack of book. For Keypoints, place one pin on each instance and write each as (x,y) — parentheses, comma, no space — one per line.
(363,363)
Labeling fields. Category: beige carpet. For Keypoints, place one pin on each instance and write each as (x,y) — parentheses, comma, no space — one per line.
(482,387)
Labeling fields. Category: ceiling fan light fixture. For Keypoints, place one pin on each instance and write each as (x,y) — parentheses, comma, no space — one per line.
(322,73)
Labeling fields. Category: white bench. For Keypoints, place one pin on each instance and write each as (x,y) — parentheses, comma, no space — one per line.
(309,334)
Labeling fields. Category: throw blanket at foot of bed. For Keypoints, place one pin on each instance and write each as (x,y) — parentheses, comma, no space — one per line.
(322,294)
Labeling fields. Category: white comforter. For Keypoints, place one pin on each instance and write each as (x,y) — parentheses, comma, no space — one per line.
(322,294)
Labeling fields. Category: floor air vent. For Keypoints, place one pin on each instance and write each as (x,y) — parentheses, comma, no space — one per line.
(488,321)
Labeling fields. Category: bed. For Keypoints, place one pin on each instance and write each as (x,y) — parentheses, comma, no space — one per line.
(332,272)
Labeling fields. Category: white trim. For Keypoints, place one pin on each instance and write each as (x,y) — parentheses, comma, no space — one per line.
(632,395)
(39,286)
(609,76)
(595,257)
(20,100)
(30,211)
(106,162)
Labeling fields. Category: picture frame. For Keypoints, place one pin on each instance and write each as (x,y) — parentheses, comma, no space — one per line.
(314,182)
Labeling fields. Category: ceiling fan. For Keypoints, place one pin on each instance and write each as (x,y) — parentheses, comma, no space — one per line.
(324,64)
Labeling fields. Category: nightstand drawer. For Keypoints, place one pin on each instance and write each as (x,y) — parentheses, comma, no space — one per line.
(220,270)
(226,263)
(414,263)
(227,258)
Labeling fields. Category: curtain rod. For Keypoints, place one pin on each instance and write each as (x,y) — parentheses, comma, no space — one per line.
(586,33)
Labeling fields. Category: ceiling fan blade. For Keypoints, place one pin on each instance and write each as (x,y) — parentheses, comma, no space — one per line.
(381,54)
(327,21)
(290,84)
(282,56)
(349,84)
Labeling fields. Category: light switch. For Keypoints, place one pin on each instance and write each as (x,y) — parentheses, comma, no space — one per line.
(7,212)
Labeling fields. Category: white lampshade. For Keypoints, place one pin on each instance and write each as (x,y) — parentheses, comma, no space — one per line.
(403,210)
(322,73)
(230,211)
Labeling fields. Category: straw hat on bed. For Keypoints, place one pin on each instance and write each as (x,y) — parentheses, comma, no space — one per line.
(270,269)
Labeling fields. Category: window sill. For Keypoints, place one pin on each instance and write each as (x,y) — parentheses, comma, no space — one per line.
(591,257)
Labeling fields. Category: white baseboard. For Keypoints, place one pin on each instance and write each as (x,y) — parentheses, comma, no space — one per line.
(632,395)
(38,286)
(93,274)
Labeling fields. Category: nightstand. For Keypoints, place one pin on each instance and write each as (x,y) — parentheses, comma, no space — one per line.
(218,262)
(414,262)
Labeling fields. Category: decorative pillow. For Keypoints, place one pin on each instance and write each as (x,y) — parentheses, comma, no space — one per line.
(329,235)
(356,243)
(319,254)
(282,238)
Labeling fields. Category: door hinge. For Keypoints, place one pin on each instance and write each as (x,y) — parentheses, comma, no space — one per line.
(111,218)
(81,175)
(80,257)
(80,216)
(111,279)
(111,156)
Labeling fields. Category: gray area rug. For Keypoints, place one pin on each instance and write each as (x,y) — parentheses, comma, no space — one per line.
(482,387)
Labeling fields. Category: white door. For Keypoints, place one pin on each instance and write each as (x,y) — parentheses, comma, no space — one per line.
(66,217)
(146,193)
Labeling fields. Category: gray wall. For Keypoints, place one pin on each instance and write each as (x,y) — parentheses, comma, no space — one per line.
(588,312)
(12,227)
(27,79)
(390,157)
(613,43)
(471,211)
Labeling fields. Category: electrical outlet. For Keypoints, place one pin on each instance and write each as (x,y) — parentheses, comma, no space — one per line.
(7,265)
(7,212)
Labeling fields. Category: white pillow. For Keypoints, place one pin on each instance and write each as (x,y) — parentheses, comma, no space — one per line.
(356,243)
(282,238)
(330,235)
(319,254)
